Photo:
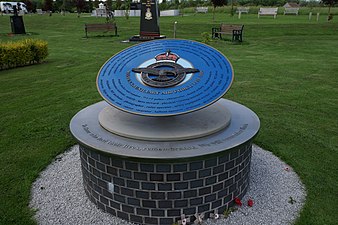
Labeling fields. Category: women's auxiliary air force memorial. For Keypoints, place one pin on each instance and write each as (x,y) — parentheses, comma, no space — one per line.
(164,143)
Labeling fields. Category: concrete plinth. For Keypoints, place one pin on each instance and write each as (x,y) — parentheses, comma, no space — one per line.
(155,182)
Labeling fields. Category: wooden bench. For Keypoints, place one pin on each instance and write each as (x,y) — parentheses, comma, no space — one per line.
(105,27)
(235,30)
(201,10)
(268,12)
(242,10)
(288,10)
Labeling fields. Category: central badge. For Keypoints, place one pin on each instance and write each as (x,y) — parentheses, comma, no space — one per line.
(148,14)
(165,77)
(165,72)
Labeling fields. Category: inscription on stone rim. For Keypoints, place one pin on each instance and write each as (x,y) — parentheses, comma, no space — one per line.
(186,148)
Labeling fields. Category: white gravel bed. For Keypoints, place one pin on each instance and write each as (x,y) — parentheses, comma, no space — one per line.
(59,198)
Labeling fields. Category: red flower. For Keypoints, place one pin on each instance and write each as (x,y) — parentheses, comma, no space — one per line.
(250,202)
(238,201)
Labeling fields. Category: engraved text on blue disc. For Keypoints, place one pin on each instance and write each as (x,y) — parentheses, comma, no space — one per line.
(124,89)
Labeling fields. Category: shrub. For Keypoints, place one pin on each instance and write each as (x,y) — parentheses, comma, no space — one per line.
(206,37)
(22,53)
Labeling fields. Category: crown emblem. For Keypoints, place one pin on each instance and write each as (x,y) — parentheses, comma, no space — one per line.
(168,55)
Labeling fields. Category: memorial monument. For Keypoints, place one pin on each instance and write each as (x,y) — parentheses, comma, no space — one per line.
(149,22)
(165,147)
(17,24)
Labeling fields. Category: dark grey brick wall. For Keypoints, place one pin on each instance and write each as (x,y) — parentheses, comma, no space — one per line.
(158,193)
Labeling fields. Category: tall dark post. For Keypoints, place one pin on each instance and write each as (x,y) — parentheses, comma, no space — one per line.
(18,27)
(149,22)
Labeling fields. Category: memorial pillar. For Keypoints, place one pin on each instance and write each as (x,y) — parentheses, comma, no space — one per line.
(149,25)
(17,24)
(149,22)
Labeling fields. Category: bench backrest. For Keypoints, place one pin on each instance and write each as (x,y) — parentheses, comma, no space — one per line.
(202,9)
(230,27)
(243,9)
(268,10)
(291,10)
(100,26)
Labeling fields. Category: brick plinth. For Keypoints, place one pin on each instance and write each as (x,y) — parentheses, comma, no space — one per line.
(160,191)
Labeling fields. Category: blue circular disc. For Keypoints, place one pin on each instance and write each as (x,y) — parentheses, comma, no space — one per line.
(165,77)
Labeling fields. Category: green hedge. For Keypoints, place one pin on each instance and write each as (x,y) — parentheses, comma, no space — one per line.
(22,53)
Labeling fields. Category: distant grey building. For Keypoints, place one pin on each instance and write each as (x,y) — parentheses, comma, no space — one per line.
(291,5)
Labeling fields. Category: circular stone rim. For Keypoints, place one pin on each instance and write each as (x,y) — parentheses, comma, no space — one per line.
(86,129)
(168,114)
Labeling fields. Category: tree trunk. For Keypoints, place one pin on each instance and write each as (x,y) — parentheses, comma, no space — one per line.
(329,15)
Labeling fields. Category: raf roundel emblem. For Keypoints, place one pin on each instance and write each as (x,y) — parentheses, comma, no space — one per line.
(165,77)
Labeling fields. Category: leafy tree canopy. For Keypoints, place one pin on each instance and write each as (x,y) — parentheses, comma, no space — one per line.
(218,3)
(329,2)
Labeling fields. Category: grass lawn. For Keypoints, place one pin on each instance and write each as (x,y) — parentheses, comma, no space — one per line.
(286,70)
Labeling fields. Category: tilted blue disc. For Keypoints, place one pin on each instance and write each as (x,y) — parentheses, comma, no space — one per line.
(165,77)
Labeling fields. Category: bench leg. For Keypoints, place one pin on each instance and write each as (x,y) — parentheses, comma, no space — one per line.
(218,35)
(214,35)
(237,35)
(86,32)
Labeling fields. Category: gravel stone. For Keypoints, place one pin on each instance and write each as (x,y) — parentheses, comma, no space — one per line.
(59,198)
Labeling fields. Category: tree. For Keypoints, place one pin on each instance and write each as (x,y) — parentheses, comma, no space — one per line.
(109,5)
(164,5)
(127,5)
(66,6)
(177,4)
(37,4)
(217,3)
(89,6)
(80,4)
(330,3)
(118,4)
(29,5)
(48,6)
